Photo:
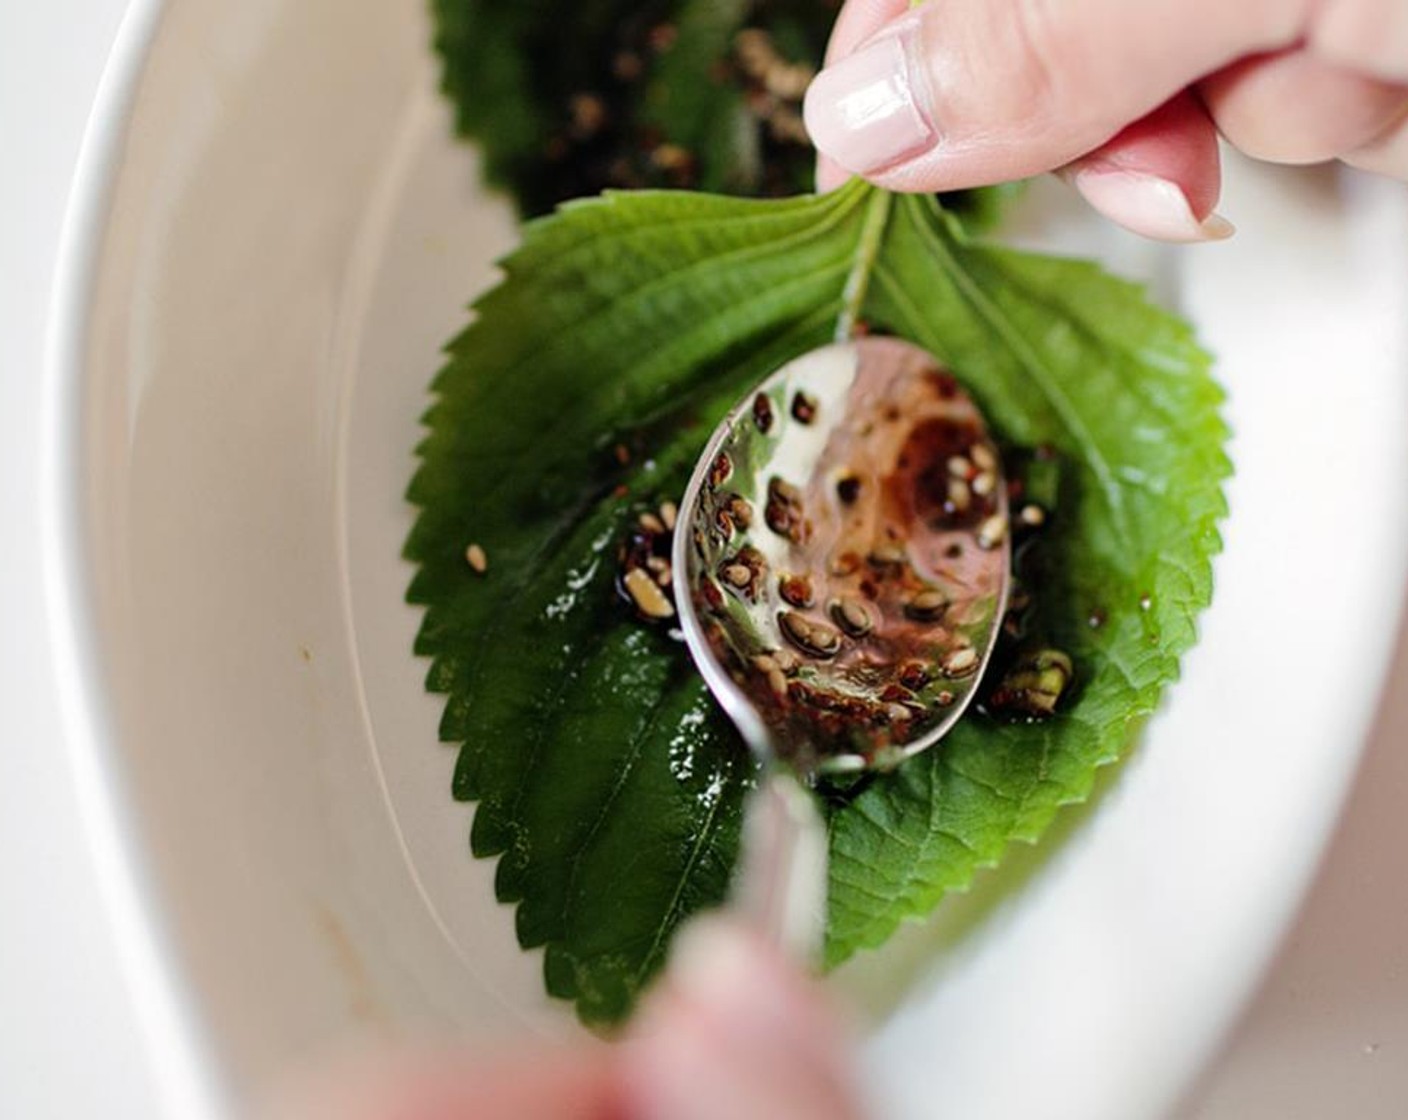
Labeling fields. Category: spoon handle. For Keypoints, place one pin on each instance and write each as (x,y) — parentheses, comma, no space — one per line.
(781,883)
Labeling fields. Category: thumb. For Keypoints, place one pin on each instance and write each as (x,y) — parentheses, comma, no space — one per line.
(967,92)
(734,1032)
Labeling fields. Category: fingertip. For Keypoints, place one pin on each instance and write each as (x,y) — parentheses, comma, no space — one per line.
(730,1003)
(728,972)
(1160,177)
(1147,205)
(829,174)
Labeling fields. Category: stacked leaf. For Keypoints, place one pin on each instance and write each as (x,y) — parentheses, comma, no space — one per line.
(568,101)
(607,783)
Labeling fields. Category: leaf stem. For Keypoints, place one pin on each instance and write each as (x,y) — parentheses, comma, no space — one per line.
(872,234)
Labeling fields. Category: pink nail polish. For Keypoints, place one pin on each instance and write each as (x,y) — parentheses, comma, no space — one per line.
(1147,205)
(867,111)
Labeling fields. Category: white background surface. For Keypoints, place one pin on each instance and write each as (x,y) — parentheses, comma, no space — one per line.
(67,1041)
(1328,1035)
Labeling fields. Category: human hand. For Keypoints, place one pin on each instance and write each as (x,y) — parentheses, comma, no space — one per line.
(732,1032)
(1124,97)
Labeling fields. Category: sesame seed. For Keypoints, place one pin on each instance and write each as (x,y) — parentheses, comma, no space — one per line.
(852,616)
(669,513)
(646,595)
(739,511)
(810,637)
(671,157)
(477,558)
(992,532)
(961,661)
(788,81)
(983,456)
(588,114)
(737,575)
(926,605)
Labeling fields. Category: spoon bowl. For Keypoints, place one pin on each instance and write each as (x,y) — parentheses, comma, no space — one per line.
(843,556)
(842,560)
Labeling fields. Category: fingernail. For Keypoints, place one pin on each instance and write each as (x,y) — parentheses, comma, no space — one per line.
(1147,205)
(867,110)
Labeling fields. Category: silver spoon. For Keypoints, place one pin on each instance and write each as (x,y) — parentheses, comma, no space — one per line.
(842,562)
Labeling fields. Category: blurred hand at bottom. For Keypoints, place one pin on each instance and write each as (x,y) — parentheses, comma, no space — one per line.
(732,1032)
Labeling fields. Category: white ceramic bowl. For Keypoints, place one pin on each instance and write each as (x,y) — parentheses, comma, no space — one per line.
(273,235)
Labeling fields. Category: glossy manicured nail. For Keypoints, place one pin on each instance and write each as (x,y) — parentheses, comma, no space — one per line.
(1147,205)
(868,111)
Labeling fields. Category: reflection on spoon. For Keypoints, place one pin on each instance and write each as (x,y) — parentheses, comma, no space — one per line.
(845,557)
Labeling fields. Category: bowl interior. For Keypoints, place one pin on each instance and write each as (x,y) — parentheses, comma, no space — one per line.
(291,238)
(273,166)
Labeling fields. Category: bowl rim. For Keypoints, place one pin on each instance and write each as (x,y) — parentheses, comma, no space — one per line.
(180,1060)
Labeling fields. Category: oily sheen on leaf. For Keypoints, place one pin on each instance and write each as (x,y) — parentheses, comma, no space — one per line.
(606,782)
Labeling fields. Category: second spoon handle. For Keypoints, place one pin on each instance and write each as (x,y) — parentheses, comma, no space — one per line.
(781,882)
